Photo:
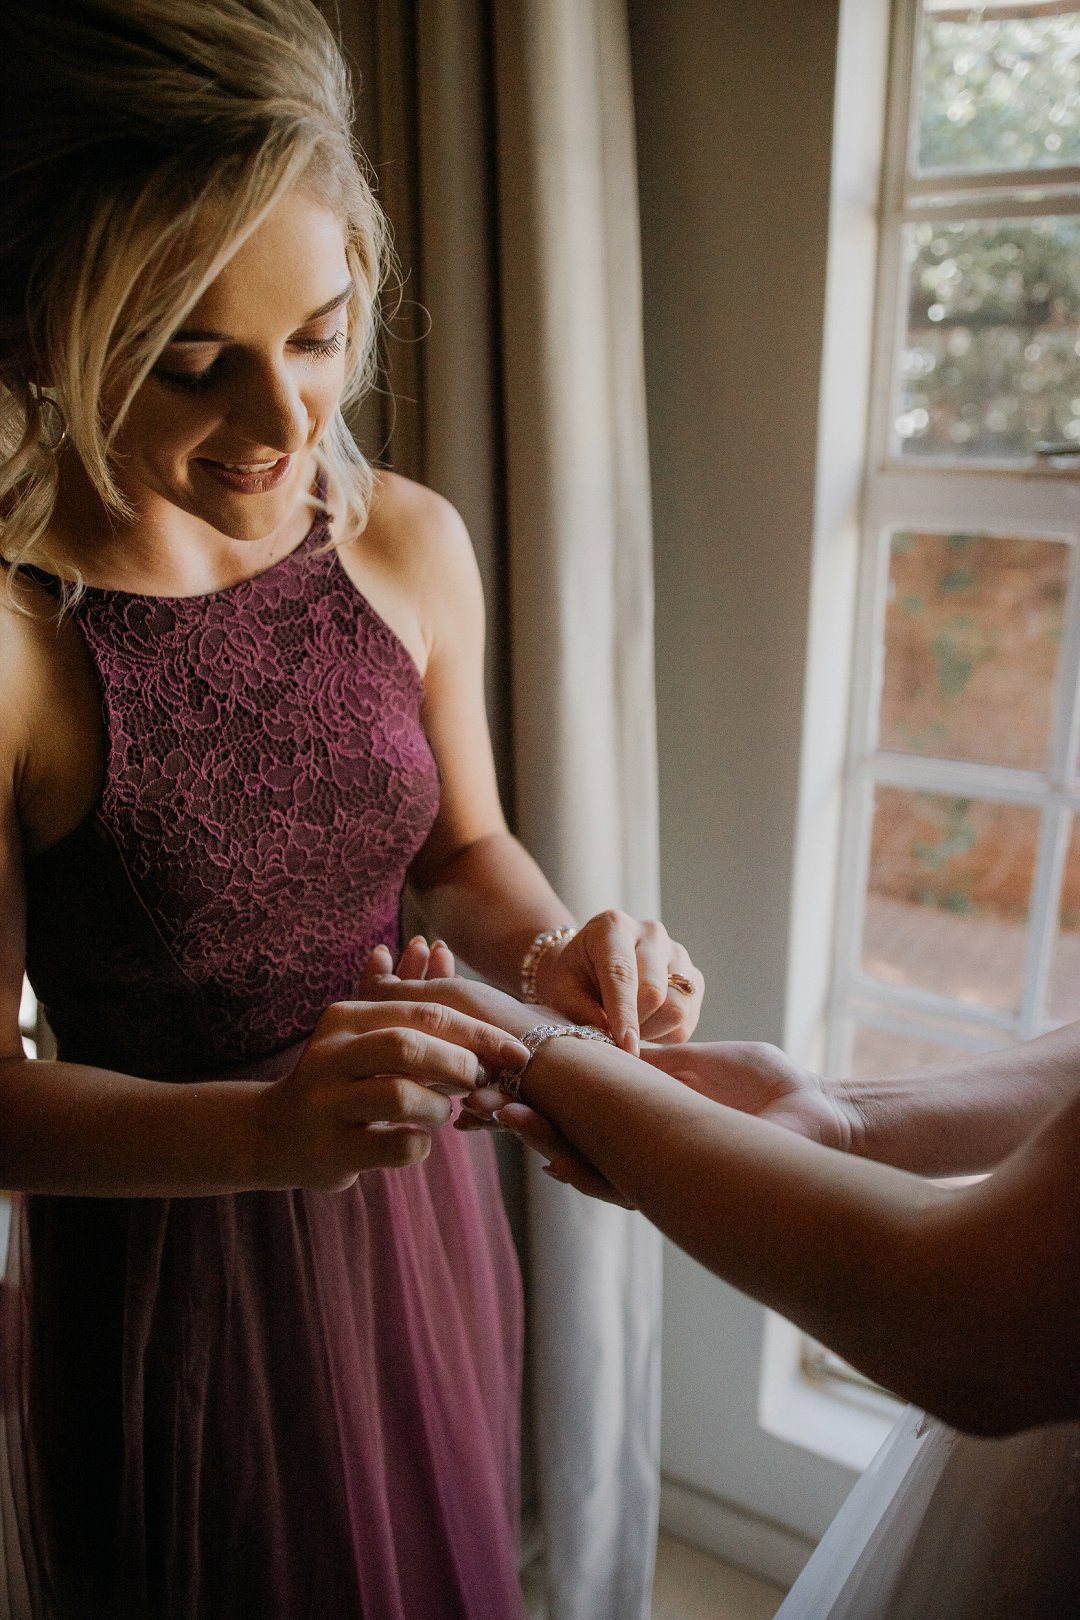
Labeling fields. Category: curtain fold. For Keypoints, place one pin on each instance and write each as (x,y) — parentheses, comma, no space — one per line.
(502,133)
(580,579)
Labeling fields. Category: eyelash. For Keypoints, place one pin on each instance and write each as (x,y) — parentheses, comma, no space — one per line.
(195,382)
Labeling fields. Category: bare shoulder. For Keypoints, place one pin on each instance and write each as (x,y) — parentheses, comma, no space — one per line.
(32,646)
(414,561)
(50,723)
(417,533)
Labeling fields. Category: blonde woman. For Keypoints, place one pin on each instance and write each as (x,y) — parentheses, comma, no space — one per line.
(261,1324)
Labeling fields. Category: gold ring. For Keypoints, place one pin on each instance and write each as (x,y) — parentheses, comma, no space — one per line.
(679,981)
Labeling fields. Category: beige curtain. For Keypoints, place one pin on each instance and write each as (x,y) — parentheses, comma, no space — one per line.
(503,137)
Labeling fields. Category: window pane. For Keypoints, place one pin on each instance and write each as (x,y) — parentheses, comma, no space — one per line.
(1063,996)
(948,895)
(998,92)
(972,635)
(882,1051)
(991,362)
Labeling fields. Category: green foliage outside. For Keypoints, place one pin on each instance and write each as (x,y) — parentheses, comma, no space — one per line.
(992,360)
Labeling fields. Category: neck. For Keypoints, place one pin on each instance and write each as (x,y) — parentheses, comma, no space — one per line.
(161,550)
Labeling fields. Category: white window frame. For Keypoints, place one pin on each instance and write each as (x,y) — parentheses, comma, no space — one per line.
(802,1397)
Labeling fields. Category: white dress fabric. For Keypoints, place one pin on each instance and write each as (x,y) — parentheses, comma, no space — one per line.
(943,1526)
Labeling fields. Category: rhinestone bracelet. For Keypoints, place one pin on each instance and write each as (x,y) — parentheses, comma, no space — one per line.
(509,1080)
(534,955)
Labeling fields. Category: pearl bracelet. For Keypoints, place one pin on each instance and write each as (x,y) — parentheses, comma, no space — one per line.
(534,955)
(509,1080)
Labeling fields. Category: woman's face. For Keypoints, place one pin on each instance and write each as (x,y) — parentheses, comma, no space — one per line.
(224,426)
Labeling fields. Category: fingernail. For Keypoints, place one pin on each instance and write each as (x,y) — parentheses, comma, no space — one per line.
(418,939)
(630,1043)
(556,1175)
(512,1052)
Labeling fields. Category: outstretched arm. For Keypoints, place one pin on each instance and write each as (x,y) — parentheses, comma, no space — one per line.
(956,1118)
(479,888)
(965,1301)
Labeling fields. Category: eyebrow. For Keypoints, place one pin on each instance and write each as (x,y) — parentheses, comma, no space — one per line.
(189,335)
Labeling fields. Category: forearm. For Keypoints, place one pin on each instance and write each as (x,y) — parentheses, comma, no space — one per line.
(837,1245)
(489,902)
(69,1129)
(963,1117)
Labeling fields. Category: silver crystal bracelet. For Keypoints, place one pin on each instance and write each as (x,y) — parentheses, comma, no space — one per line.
(509,1080)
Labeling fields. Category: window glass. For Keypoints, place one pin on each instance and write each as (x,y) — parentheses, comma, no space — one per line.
(883,1051)
(991,359)
(948,895)
(1063,993)
(999,91)
(972,638)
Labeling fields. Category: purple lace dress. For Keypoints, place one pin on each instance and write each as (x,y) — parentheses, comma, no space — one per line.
(265,1406)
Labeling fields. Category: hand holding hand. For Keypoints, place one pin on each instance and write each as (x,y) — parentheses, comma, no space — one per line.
(760,1079)
(487,1108)
(370,1086)
(626,976)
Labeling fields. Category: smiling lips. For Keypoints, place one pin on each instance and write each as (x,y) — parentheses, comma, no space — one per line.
(248,477)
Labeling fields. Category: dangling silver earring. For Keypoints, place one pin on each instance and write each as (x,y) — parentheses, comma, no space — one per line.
(54,428)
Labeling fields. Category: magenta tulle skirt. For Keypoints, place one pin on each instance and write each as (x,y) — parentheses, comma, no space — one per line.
(266,1406)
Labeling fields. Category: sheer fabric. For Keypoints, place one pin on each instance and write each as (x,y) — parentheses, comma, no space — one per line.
(943,1526)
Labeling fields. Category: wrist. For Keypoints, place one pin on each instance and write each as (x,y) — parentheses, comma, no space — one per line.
(260,1162)
(536,1040)
(843,1098)
(545,948)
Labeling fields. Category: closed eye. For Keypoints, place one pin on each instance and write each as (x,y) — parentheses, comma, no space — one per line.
(194,382)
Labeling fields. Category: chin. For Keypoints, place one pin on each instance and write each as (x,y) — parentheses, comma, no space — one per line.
(248,507)
(250,523)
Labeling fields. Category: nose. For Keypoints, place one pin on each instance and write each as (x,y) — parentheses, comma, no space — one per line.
(269,412)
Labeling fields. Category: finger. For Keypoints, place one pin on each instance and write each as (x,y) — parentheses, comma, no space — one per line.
(378,965)
(610,947)
(533,1129)
(484,1102)
(383,1146)
(413,961)
(677,1018)
(668,1023)
(565,1164)
(339,1051)
(653,954)
(581,1007)
(467,1121)
(580,1175)
(392,1099)
(441,963)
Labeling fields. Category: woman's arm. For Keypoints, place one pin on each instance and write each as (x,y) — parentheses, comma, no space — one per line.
(965,1301)
(479,889)
(956,1118)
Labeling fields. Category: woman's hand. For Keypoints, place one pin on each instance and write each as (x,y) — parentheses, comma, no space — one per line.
(371,1085)
(487,1108)
(626,976)
(756,1078)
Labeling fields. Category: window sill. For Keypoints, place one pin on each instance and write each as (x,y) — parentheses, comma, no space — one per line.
(843,1422)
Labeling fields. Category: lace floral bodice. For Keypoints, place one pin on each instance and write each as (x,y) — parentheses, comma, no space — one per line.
(267,783)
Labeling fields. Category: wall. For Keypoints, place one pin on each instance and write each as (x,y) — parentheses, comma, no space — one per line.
(734,110)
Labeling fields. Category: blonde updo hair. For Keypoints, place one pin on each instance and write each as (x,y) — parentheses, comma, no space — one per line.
(144,141)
